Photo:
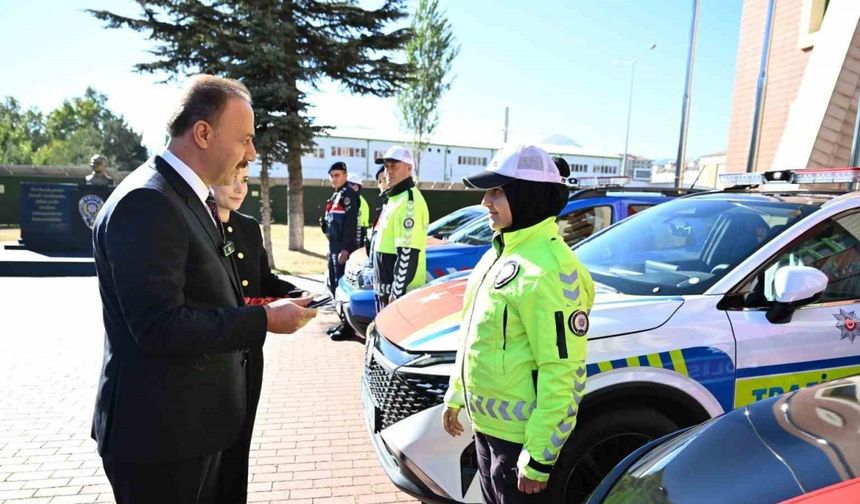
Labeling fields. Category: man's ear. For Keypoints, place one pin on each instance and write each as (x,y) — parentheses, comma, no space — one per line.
(202,134)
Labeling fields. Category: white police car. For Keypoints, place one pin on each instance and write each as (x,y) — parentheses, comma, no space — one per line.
(704,303)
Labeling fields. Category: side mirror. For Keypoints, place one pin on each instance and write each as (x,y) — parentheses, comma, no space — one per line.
(795,286)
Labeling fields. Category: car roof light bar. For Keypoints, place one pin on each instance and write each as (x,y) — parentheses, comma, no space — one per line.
(597,181)
(802,176)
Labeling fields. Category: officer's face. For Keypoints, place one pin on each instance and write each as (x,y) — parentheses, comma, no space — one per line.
(396,172)
(380,181)
(231,196)
(337,178)
(499,208)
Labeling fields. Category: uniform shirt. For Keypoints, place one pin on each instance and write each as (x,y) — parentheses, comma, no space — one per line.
(251,259)
(399,242)
(520,370)
(341,220)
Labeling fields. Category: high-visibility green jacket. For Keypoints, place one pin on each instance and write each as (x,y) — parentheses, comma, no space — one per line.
(363,213)
(520,370)
(400,240)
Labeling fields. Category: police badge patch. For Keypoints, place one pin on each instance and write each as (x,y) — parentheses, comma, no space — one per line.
(346,202)
(507,273)
(578,323)
(89,206)
(408,223)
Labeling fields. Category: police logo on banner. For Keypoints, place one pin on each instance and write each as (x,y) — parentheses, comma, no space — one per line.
(578,323)
(507,273)
(408,223)
(89,206)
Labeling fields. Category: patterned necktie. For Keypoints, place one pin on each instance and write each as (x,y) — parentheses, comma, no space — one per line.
(213,209)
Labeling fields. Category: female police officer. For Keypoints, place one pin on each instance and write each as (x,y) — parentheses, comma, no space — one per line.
(520,372)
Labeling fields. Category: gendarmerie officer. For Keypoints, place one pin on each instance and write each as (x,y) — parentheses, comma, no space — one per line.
(340,225)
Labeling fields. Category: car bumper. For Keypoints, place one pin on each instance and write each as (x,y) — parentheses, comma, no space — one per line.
(353,304)
(400,470)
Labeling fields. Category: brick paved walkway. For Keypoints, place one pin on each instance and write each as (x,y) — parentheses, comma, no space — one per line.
(310,442)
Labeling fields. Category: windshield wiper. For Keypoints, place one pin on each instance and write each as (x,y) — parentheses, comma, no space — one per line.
(605,287)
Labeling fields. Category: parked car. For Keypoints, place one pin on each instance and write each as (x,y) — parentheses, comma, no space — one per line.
(784,447)
(587,212)
(442,227)
(703,304)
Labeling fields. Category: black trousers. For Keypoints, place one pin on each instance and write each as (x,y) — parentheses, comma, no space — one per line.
(192,481)
(497,468)
(335,271)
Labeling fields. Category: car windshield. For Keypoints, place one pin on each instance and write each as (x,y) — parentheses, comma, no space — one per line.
(686,245)
(447,224)
(477,232)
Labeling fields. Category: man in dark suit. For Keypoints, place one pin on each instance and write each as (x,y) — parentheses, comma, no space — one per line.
(172,404)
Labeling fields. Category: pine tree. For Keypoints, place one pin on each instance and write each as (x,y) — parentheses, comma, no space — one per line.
(279,49)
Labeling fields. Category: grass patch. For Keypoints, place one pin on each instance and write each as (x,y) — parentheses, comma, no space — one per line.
(9,234)
(311,261)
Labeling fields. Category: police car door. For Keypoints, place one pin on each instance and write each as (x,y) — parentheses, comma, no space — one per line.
(818,343)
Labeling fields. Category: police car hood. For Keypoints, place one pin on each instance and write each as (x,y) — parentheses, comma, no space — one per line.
(428,319)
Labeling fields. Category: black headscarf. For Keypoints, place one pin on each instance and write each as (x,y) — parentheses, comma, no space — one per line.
(532,202)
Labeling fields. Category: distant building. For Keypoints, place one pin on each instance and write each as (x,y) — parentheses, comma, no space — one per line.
(639,168)
(812,87)
(440,162)
(702,173)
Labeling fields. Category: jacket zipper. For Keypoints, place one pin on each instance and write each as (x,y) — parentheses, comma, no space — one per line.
(468,327)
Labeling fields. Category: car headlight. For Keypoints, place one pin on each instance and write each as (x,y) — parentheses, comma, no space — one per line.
(365,279)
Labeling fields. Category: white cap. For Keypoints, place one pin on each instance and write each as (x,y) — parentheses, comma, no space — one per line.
(354,178)
(516,162)
(397,153)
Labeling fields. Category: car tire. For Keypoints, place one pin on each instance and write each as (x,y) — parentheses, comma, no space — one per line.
(597,445)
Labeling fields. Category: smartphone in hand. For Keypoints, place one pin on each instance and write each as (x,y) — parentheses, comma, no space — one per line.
(319,300)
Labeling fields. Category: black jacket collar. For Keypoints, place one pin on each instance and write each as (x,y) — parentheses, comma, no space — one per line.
(401,187)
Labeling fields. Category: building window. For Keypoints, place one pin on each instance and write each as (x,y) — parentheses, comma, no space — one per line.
(317,152)
(471,161)
(353,152)
(811,18)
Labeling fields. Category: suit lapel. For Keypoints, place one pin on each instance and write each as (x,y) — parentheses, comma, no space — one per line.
(195,206)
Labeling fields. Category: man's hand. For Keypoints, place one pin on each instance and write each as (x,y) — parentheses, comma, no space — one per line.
(342,257)
(288,315)
(451,422)
(529,486)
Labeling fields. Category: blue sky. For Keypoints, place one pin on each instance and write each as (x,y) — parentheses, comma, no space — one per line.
(553,62)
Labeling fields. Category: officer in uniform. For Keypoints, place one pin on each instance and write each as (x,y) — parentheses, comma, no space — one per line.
(520,372)
(340,223)
(354,180)
(400,239)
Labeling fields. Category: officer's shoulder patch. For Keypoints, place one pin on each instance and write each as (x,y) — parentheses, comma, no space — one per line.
(346,201)
(506,273)
(578,323)
(408,223)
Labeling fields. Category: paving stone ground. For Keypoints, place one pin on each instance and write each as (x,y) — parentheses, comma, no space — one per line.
(310,442)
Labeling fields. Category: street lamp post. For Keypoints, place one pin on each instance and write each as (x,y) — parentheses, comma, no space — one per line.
(630,108)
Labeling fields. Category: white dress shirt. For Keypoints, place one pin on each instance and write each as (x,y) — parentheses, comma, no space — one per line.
(191,178)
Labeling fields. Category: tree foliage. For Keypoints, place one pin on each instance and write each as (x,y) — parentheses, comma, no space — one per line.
(430,53)
(68,135)
(280,49)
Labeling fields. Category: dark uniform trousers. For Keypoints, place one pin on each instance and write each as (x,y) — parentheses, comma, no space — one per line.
(497,468)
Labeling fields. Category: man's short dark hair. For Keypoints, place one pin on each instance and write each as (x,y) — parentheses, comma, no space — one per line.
(203,99)
(338,165)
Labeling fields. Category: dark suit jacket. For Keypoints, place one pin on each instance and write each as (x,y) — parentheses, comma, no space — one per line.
(251,260)
(173,383)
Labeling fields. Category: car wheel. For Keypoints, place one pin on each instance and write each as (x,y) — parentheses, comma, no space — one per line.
(595,447)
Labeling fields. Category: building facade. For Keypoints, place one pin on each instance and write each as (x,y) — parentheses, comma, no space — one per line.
(811,92)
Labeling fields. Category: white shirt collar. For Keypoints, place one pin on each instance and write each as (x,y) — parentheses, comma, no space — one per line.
(194,181)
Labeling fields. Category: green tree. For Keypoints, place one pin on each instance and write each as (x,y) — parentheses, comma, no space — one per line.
(279,49)
(430,53)
(22,132)
(84,126)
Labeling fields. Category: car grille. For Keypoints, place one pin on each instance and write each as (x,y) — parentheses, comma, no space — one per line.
(400,395)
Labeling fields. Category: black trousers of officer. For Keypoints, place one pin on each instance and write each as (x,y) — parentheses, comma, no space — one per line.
(497,468)
(335,271)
